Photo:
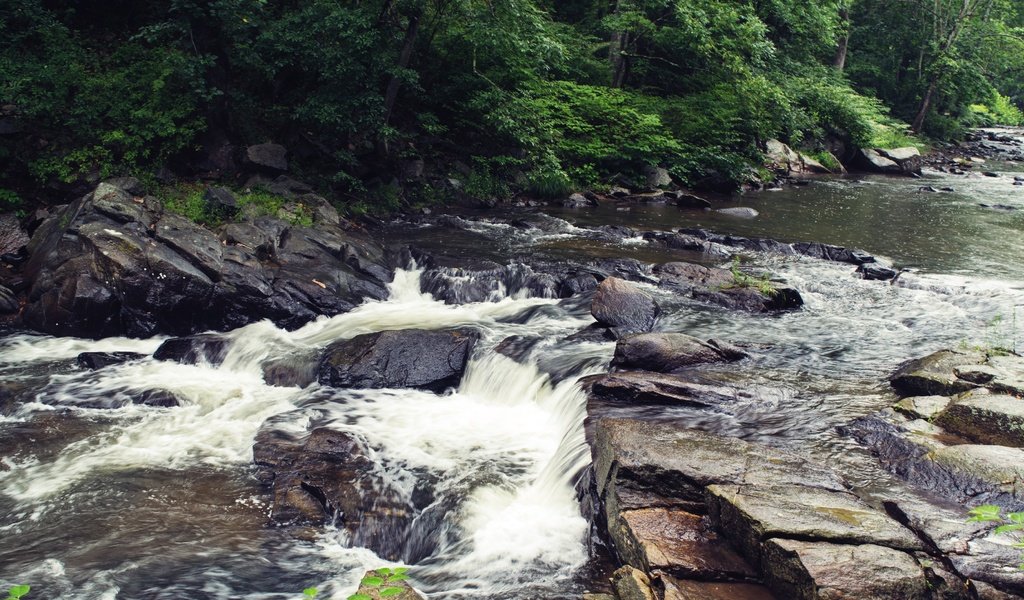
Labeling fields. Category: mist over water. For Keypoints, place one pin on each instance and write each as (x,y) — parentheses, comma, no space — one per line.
(102,498)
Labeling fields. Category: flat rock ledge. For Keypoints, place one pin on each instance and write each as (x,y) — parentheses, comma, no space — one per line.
(690,514)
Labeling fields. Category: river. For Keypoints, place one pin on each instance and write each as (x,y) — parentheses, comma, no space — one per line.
(104,499)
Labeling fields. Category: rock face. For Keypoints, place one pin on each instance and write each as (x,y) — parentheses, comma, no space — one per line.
(411,358)
(905,161)
(272,157)
(12,236)
(112,264)
(623,307)
(667,352)
(986,418)
(329,477)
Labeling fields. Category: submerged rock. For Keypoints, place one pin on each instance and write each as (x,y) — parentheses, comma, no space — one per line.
(667,352)
(98,360)
(409,358)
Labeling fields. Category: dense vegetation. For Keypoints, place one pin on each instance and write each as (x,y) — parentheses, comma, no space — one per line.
(521,95)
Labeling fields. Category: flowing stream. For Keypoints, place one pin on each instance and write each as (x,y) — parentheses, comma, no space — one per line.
(101,498)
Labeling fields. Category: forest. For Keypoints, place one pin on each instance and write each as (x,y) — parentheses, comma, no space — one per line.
(535,96)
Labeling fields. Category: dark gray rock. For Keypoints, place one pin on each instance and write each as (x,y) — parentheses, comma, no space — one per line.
(623,307)
(642,387)
(203,348)
(98,360)
(271,157)
(667,352)
(801,570)
(12,236)
(8,301)
(410,358)
(934,375)
(876,272)
(329,477)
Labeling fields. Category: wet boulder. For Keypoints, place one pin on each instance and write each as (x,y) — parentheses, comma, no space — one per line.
(934,374)
(98,360)
(876,272)
(409,358)
(207,348)
(623,307)
(295,370)
(328,476)
(804,570)
(667,352)
(985,418)
(728,289)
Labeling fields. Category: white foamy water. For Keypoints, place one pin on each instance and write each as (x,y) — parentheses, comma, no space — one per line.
(502,451)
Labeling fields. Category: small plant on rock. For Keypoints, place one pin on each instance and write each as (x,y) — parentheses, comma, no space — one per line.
(741,280)
(381,583)
(1008,523)
(17,592)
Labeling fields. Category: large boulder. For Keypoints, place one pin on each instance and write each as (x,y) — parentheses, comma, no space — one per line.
(908,158)
(410,358)
(329,476)
(12,236)
(986,418)
(724,288)
(667,352)
(624,307)
(643,387)
(873,161)
(270,157)
(935,374)
(111,263)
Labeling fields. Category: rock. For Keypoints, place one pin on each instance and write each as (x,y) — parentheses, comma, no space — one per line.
(205,348)
(753,514)
(98,360)
(296,370)
(12,236)
(986,418)
(272,157)
(8,301)
(871,160)
(979,374)
(578,201)
(410,358)
(667,352)
(330,477)
(833,253)
(623,307)
(908,159)
(781,158)
(922,407)
(995,562)
(1009,377)
(719,286)
(676,542)
(641,387)
(632,584)
(657,177)
(998,466)
(815,570)
(194,243)
(221,201)
(664,460)
(157,399)
(687,200)
(934,375)
(741,212)
(382,584)
(678,589)
(876,272)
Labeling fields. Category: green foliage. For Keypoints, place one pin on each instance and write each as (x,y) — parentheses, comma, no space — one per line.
(741,280)
(1011,522)
(188,200)
(9,200)
(381,582)
(18,591)
(310,592)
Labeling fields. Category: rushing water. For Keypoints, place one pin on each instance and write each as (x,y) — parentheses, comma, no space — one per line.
(103,499)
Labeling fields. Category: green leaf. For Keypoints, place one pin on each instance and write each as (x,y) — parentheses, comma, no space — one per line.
(401,570)
(372,581)
(1009,527)
(360,597)
(384,571)
(986,512)
(398,577)
(18,591)
(1016,517)
(310,592)
(391,591)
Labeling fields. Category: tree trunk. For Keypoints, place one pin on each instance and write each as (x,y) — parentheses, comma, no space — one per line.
(620,62)
(839,61)
(926,103)
(408,44)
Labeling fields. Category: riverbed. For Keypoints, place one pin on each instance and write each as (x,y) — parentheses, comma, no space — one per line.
(103,499)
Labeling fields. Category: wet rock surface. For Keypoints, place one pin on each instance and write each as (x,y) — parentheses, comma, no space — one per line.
(721,287)
(667,352)
(623,307)
(934,374)
(433,360)
(114,263)
(986,418)
(98,360)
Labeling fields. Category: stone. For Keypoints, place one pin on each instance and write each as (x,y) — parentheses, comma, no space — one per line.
(272,157)
(999,466)
(410,358)
(908,159)
(719,286)
(632,584)
(741,212)
(208,348)
(624,307)
(656,177)
(781,158)
(871,160)
(688,200)
(296,370)
(578,201)
(876,272)
(979,374)
(934,375)
(753,514)
(118,204)
(800,570)
(198,245)
(986,418)
(667,352)
(677,542)
(328,476)
(221,201)
(12,237)
(678,463)
(98,360)
(642,387)
(923,407)
(681,589)
(1010,374)
(374,584)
